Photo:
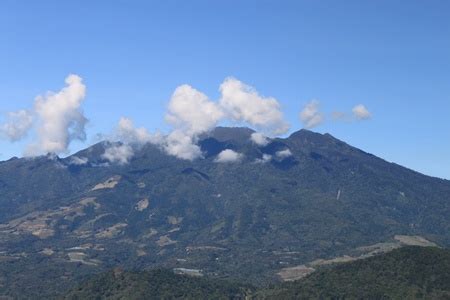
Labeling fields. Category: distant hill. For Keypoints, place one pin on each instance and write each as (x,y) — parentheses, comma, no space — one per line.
(406,273)
(157,284)
(285,204)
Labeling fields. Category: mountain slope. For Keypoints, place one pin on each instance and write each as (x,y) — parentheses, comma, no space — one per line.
(248,220)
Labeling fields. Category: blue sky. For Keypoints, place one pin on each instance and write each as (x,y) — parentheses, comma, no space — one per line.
(392,56)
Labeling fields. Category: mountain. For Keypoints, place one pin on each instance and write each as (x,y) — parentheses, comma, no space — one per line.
(405,273)
(253,220)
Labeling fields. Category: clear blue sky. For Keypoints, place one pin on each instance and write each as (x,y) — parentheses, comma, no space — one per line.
(392,56)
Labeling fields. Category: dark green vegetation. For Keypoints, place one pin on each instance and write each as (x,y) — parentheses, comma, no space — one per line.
(157,284)
(406,273)
(244,220)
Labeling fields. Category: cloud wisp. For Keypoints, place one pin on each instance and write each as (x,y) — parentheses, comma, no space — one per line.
(310,115)
(17,125)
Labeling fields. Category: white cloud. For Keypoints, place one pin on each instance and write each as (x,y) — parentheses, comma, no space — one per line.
(259,139)
(17,125)
(283,153)
(244,104)
(60,119)
(265,158)
(78,161)
(192,112)
(127,133)
(228,156)
(120,154)
(361,112)
(310,115)
(181,145)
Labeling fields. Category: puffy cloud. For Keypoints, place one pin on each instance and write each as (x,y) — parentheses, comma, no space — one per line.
(310,115)
(244,104)
(17,125)
(60,119)
(127,133)
(259,139)
(181,145)
(120,154)
(283,153)
(192,112)
(361,112)
(228,156)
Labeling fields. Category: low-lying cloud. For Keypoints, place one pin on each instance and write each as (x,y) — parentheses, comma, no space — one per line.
(259,139)
(283,153)
(265,159)
(228,156)
(119,154)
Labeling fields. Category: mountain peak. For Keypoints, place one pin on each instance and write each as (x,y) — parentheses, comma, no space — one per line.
(239,134)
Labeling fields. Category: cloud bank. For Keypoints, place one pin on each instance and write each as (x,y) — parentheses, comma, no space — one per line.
(191,113)
(57,119)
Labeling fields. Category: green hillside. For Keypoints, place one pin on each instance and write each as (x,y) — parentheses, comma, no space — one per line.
(406,273)
(157,284)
